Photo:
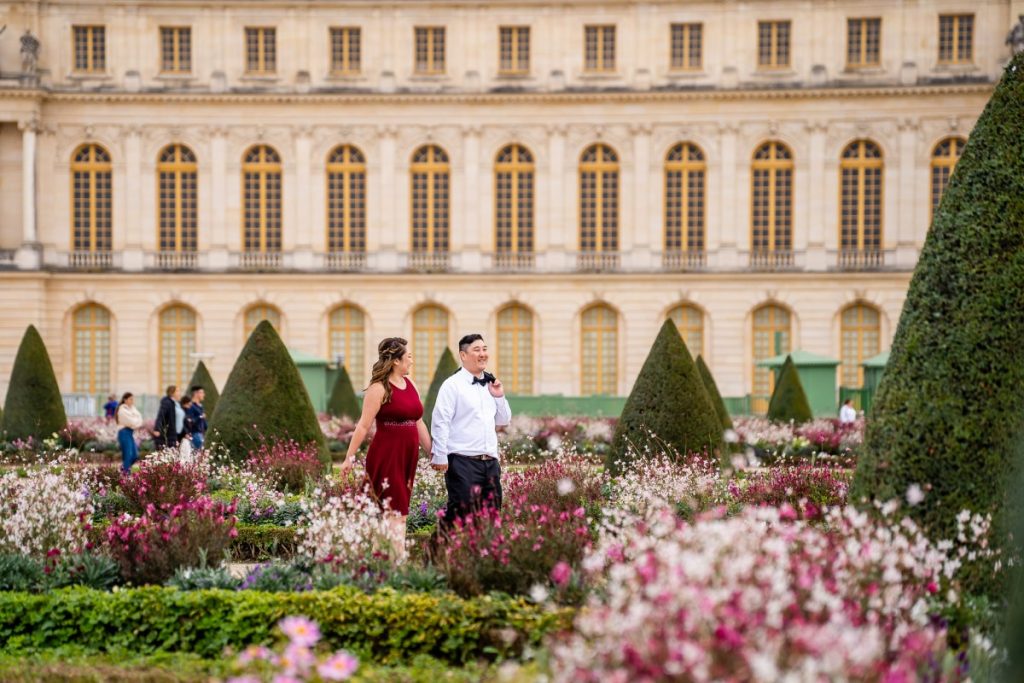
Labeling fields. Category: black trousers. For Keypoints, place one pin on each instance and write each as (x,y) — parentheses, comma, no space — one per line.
(471,484)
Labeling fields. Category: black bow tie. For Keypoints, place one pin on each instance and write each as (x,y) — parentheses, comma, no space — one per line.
(485,380)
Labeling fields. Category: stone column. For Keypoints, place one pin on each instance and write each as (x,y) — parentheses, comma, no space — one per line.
(553,242)
(29,255)
(729,226)
(302,247)
(467,228)
(130,221)
(385,194)
(218,254)
(902,235)
(818,238)
(638,241)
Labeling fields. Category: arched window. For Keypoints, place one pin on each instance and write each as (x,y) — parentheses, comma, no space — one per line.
(689,321)
(771,211)
(771,336)
(860,332)
(90,350)
(599,200)
(944,158)
(600,351)
(261,196)
(860,220)
(346,200)
(93,199)
(430,200)
(254,315)
(429,339)
(178,209)
(346,337)
(684,199)
(177,345)
(515,349)
(513,188)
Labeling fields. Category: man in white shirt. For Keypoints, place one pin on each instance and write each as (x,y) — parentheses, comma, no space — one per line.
(847,414)
(470,404)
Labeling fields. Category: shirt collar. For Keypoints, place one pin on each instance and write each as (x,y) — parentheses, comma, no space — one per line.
(467,376)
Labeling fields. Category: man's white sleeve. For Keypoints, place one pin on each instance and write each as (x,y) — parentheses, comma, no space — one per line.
(441,423)
(502,412)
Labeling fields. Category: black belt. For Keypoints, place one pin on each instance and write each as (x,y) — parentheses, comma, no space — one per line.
(482,456)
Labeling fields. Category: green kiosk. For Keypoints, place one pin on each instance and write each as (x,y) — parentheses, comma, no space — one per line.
(817,375)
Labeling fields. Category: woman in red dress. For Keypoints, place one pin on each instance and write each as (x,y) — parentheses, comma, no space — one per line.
(393,401)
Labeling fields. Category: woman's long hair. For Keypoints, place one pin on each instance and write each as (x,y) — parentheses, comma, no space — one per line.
(127,395)
(389,352)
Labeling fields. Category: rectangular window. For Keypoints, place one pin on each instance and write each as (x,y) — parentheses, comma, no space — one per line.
(687,47)
(773,44)
(90,48)
(956,38)
(430,50)
(260,50)
(514,49)
(176,49)
(599,48)
(346,50)
(863,43)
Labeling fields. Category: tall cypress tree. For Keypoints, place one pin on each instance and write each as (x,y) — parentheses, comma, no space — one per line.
(33,407)
(446,367)
(713,393)
(201,377)
(343,401)
(789,400)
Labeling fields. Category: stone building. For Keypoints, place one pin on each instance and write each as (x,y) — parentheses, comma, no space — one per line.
(559,176)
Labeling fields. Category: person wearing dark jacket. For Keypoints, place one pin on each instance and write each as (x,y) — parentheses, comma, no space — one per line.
(198,415)
(165,427)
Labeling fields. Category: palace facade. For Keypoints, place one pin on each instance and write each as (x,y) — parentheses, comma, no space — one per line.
(561,177)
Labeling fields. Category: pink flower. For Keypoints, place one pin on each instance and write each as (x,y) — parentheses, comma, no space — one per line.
(297,659)
(561,573)
(339,667)
(300,630)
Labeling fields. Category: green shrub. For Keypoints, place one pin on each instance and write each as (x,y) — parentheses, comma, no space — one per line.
(947,415)
(258,542)
(201,377)
(264,400)
(20,572)
(789,402)
(90,570)
(343,401)
(716,397)
(203,578)
(33,408)
(446,367)
(668,407)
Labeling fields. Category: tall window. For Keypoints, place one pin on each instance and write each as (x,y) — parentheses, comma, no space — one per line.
(860,334)
(346,337)
(687,47)
(90,351)
(600,351)
(772,200)
(684,198)
(429,339)
(863,43)
(260,312)
(176,49)
(260,49)
(93,198)
(771,337)
(90,48)
(599,200)
(514,191)
(430,200)
(514,50)
(346,49)
(177,345)
(430,50)
(515,349)
(178,214)
(956,38)
(944,158)
(689,320)
(261,194)
(346,200)
(599,48)
(773,44)
(860,170)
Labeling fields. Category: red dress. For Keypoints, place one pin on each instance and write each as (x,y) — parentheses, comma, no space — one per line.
(391,459)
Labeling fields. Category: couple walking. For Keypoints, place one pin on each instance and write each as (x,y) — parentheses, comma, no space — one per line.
(462,439)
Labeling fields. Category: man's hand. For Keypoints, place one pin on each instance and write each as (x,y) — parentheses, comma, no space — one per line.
(496,388)
(438,467)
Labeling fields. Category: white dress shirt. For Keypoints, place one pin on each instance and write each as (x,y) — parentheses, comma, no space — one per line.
(465,415)
(847,415)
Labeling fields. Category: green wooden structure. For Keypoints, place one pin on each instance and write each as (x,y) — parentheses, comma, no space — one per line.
(316,375)
(864,396)
(817,375)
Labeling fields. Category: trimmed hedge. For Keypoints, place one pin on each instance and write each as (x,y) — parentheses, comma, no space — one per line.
(343,401)
(33,407)
(260,542)
(789,401)
(264,399)
(386,626)
(716,397)
(446,367)
(668,400)
(203,378)
(947,415)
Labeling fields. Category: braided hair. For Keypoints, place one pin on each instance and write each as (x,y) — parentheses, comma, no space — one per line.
(390,352)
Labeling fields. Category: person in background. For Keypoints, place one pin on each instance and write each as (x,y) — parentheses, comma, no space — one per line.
(168,425)
(847,414)
(198,415)
(128,419)
(187,428)
(110,408)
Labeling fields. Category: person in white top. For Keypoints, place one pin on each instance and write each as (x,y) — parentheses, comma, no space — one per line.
(128,419)
(847,414)
(469,405)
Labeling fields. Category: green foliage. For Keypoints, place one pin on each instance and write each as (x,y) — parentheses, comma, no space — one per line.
(20,572)
(264,400)
(343,401)
(669,401)
(90,570)
(386,626)
(716,397)
(259,542)
(446,367)
(947,415)
(33,407)
(789,402)
(203,578)
(203,378)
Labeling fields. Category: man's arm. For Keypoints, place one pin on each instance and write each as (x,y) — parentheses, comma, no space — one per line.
(502,412)
(441,422)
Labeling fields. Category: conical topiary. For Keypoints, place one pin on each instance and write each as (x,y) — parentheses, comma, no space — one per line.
(789,402)
(947,414)
(201,377)
(1014,627)
(33,407)
(264,399)
(446,367)
(343,401)
(668,409)
(713,394)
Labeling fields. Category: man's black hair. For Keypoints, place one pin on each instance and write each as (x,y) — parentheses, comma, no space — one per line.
(469,339)
(195,388)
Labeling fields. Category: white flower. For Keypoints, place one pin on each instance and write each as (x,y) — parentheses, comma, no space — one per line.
(538,593)
(914,494)
(565,486)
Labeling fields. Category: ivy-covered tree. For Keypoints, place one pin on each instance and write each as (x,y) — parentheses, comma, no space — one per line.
(789,401)
(33,407)
(343,401)
(446,367)
(713,393)
(201,377)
